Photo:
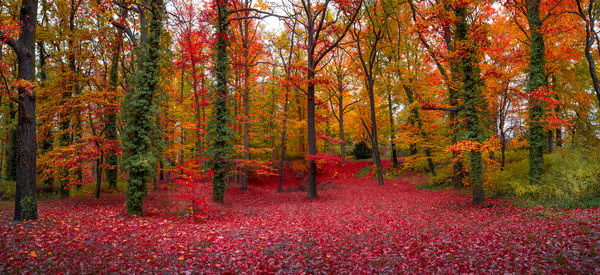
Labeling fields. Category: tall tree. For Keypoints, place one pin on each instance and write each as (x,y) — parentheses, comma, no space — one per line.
(322,34)
(367,38)
(24,48)
(219,129)
(472,104)
(339,92)
(535,81)
(139,112)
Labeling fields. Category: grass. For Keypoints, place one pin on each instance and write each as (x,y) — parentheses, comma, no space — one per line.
(363,172)
(555,203)
(426,186)
(91,188)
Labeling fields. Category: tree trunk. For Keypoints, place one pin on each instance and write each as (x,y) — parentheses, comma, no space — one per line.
(550,141)
(98,175)
(374,142)
(392,131)
(503,150)
(245,169)
(283,132)
(220,119)
(535,80)
(312,142)
(25,200)
(341,125)
(589,41)
(112,157)
(415,120)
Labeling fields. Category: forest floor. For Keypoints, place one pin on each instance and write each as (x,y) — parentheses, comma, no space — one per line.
(355,226)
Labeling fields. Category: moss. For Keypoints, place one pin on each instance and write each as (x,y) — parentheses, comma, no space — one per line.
(29,208)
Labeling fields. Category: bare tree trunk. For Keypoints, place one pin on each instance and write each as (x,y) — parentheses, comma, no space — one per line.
(245,169)
(98,174)
(283,132)
(341,125)
(24,47)
(392,131)
(374,142)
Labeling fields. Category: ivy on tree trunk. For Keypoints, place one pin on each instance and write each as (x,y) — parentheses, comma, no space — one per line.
(219,130)
(535,80)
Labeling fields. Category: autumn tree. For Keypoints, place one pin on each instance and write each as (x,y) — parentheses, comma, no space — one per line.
(439,13)
(247,41)
(325,23)
(367,37)
(285,53)
(339,93)
(589,11)
(471,110)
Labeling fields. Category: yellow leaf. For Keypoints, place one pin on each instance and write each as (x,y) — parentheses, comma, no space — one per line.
(32,254)
(180,258)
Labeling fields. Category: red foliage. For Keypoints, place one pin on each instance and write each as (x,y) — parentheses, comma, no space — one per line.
(553,119)
(194,186)
(354,227)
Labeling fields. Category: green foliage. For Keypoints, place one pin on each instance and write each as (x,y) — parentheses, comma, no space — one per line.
(7,190)
(362,151)
(393,173)
(571,178)
(511,156)
(443,177)
(141,132)
(363,172)
(29,206)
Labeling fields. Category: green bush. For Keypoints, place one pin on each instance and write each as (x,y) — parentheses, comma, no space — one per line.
(571,178)
(361,151)
(7,190)
(443,177)
(511,156)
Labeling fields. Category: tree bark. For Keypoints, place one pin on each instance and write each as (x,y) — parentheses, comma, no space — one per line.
(535,80)
(24,47)
(392,130)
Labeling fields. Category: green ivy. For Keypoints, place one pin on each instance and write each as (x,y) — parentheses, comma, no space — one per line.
(141,132)
(219,124)
(536,79)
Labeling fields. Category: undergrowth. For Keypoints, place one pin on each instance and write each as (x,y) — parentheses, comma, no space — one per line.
(571,180)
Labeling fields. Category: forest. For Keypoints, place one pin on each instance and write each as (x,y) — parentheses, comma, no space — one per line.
(299,136)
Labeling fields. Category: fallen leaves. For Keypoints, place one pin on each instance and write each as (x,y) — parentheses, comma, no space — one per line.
(357,227)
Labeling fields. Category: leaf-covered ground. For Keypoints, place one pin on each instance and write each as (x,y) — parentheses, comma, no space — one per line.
(354,227)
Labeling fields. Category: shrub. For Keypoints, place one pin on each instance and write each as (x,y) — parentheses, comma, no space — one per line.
(571,179)
(361,151)
(7,190)
(443,176)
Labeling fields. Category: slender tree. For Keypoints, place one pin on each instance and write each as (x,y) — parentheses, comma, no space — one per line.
(367,46)
(318,19)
